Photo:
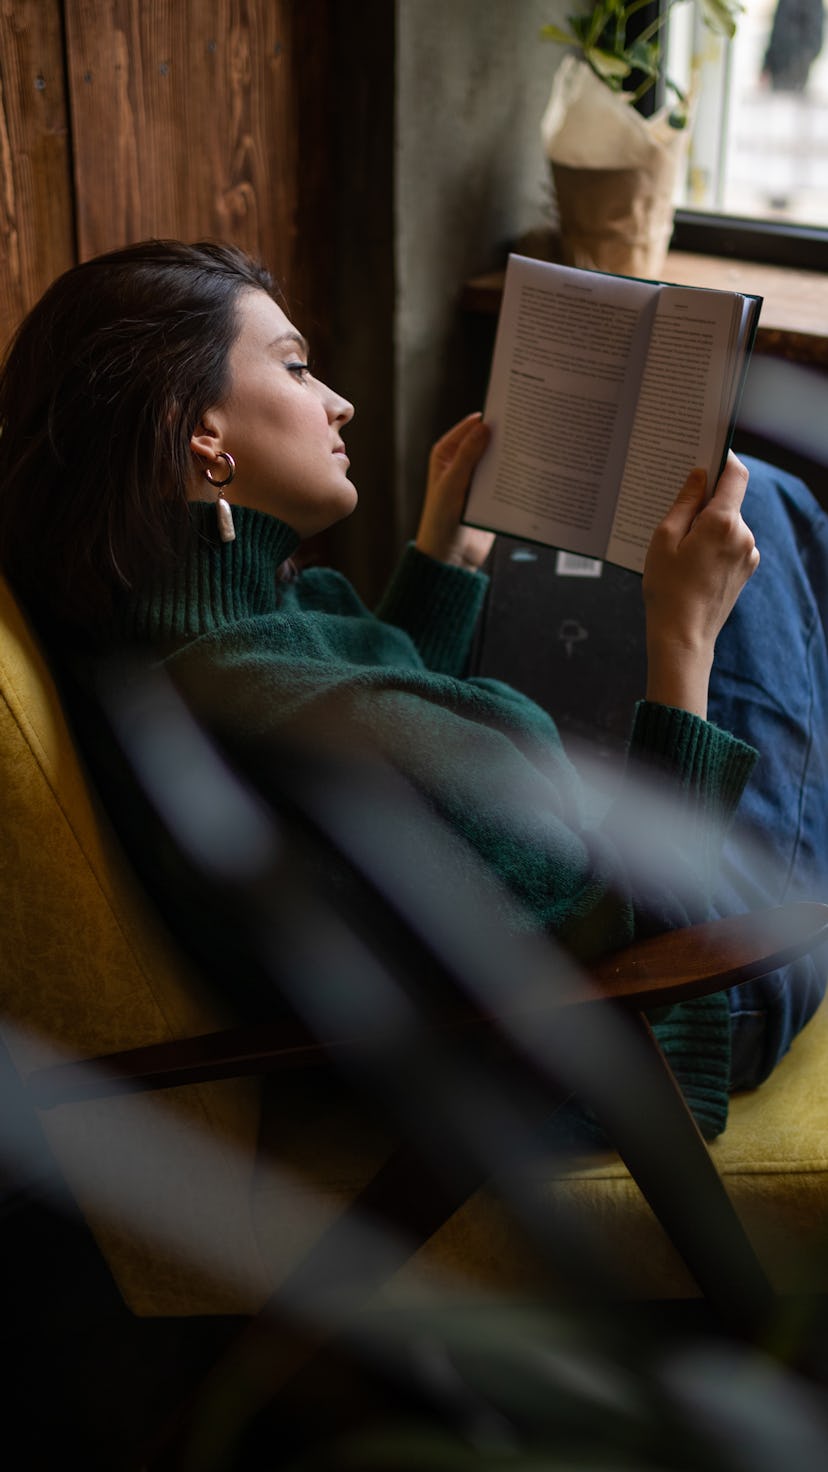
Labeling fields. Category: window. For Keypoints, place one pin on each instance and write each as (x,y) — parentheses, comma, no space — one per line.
(757,178)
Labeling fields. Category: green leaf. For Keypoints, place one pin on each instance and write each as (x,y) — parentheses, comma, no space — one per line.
(555,33)
(644,57)
(600,33)
(720,15)
(603,13)
(582,26)
(606,64)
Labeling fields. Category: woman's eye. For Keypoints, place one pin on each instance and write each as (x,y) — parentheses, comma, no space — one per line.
(302,370)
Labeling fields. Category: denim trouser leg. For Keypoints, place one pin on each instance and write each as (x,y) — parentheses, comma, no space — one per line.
(770,686)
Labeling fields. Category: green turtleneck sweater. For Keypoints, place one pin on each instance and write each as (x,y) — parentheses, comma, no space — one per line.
(486,758)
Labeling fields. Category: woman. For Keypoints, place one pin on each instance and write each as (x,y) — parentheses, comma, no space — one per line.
(164,448)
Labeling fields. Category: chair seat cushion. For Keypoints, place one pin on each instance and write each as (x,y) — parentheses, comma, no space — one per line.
(773,1158)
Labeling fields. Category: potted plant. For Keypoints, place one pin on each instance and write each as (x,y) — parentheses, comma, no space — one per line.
(614,169)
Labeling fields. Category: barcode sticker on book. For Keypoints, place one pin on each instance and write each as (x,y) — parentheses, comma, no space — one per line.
(570,565)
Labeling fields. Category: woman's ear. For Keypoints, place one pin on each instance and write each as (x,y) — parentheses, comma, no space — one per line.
(205,447)
(206,439)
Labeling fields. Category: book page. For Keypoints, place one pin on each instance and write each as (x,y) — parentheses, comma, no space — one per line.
(683,414)
(567,362)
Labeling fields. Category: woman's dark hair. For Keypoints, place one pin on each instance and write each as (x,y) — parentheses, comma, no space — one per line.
(101,388)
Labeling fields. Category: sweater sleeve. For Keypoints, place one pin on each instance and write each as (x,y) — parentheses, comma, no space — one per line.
(489,764)
(703,768)
(701,772)
(702,759)
(437,605)
(658,847)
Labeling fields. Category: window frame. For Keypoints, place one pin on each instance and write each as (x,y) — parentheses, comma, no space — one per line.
(743,237)
(772,242)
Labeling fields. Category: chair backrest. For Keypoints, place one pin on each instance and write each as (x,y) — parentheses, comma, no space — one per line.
(85,971)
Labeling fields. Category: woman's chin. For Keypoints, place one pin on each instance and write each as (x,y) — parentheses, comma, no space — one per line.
(350,499)
(338,509)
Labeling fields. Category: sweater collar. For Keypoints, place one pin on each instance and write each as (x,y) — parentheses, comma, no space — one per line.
(211,583)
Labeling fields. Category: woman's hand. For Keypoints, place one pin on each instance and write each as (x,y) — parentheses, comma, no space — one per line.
(450,466)
(698,561)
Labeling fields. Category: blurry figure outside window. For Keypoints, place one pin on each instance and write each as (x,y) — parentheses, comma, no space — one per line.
(794,45)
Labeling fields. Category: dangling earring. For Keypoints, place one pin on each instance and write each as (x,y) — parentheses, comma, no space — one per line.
(224,517)
(224,513)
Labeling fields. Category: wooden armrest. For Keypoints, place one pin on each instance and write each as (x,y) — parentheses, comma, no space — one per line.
(700,959)
(651,973)
(235,1052)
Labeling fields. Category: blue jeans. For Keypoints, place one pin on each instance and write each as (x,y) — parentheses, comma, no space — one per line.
(770,686)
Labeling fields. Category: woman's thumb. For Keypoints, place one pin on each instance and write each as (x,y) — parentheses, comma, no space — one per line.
(687,502)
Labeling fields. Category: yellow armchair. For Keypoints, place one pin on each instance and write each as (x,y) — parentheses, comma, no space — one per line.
(86,972)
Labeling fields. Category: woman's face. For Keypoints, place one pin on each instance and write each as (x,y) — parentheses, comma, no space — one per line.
(280,424)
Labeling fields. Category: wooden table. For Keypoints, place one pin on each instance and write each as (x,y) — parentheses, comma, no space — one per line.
(794,319)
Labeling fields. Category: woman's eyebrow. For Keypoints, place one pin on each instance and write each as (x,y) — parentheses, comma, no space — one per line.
(292,337)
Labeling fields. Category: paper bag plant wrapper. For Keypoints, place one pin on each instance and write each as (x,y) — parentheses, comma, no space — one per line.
(615,174)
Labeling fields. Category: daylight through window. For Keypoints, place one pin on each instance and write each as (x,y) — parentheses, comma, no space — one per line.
(759,144)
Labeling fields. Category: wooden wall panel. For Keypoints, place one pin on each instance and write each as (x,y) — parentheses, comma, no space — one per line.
(188,120)
(36,212)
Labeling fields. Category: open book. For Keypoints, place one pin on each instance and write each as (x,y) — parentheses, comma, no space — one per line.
(604,393)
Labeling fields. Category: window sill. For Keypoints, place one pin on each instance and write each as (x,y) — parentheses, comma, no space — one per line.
(794,318)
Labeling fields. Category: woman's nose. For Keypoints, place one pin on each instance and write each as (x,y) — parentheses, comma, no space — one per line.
(340,411)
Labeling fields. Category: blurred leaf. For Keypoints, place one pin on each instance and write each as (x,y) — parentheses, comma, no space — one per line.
(645,56)
(608,65)
(721,15)
(600,33)
(554,33)
(587,27)
(757,1416)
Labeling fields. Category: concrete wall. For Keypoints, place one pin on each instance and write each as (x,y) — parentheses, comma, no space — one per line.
(469,178)
(433,127)
(434,130)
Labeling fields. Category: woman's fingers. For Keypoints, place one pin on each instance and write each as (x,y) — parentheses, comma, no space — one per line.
(732,483)
(699,559)
(466,454)
(684,510)
(721,519)
(452,460)
(728,495)
(462,446)
(719,515)
(446,447)
(698,562)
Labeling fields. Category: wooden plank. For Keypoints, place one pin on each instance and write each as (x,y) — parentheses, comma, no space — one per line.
(794,318)
(186,118)
(36,213)
(311,264)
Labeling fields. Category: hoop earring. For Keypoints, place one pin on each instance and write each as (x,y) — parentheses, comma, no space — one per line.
(224,513)
(231,469)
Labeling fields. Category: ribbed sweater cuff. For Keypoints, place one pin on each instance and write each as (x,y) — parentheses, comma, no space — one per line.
(702,759)
(696,1038)
(437,605)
